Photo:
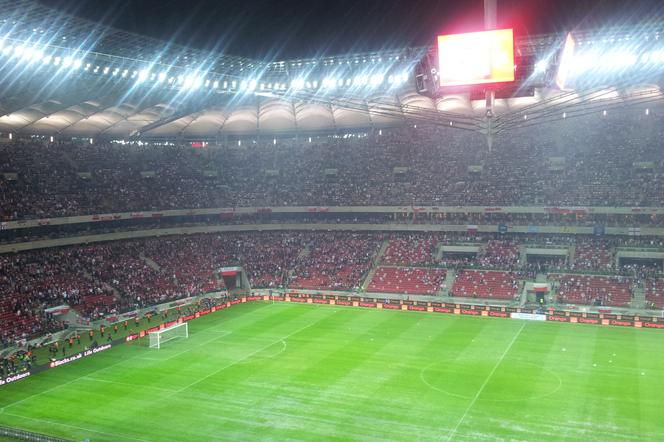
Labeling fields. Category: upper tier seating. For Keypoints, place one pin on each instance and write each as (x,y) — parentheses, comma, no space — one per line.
(597,170)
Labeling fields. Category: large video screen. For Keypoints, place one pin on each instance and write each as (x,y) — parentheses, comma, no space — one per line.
(476,58)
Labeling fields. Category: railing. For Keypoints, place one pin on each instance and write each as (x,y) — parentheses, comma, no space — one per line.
(18,434)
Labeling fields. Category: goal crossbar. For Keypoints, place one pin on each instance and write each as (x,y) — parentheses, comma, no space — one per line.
(159,337)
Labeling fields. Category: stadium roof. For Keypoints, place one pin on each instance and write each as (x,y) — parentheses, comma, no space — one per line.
(104,94)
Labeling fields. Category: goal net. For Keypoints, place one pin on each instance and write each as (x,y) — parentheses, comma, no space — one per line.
(159,337)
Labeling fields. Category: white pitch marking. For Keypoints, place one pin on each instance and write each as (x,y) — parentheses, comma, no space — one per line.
(67,383)
(217,336)
(106,381)
(486,382)
(77,427)
(249,355)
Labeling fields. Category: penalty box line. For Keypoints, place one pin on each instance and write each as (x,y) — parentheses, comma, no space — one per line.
(249,355)
(217,336)
(486,382)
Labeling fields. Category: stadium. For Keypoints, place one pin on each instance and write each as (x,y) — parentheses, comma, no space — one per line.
(462,240)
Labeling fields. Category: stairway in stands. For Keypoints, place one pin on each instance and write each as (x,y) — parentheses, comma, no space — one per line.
(153,265)
(572,252)
(523,256)
(104,284)
(449,280)
(374,265)
(639,299)
(300,257)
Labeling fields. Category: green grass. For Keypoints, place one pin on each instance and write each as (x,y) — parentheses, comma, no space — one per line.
(305,372)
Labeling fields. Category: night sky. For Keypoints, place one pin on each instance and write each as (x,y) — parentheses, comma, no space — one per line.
(276,29)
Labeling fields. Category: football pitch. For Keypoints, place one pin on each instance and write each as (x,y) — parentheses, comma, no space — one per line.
(263,371)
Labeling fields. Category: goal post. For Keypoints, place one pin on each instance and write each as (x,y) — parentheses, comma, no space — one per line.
(159,337)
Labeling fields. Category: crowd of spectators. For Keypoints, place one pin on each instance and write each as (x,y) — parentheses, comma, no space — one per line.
(411,249)
(589,161)
(106,278)
(337,261)
(612,291)
(654,289)
(408,280)
(486,284)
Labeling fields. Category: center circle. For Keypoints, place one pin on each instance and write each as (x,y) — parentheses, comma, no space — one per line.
(510,381)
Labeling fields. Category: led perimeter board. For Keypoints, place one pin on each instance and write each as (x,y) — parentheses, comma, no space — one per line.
(476,58)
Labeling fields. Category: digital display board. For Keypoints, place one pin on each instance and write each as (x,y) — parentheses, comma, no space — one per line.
(476,58)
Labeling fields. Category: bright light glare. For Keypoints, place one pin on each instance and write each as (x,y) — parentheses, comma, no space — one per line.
(143,75)
(540,66)
(297,83)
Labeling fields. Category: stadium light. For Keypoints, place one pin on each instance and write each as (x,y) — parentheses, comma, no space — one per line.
(540,66)
(143,75)
(377,79)
(297,83)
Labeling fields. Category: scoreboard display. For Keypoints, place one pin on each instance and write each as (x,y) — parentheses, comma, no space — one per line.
(474,58)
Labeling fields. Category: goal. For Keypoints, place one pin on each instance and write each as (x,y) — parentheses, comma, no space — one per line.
(157,338)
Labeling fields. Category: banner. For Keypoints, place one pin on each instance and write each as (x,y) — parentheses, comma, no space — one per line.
(528,316)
